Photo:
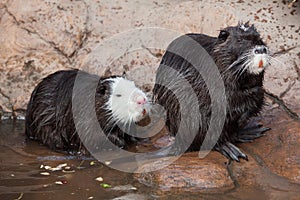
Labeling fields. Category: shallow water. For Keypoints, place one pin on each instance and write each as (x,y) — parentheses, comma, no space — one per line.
(21,178)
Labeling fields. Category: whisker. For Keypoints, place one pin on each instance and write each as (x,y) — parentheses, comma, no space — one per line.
(241,59)
(109,132)
(242,69)
(245,68)
(275,61)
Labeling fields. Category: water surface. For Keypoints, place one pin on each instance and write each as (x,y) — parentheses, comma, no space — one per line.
(21,178)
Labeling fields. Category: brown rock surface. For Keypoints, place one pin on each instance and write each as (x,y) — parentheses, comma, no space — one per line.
(188,173)
(273,159)
(273,165)
(278,150)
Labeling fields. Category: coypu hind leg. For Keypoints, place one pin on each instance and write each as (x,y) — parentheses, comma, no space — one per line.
(230,151)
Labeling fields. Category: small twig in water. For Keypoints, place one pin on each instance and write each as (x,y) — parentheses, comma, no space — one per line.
(81,163)
(20,197)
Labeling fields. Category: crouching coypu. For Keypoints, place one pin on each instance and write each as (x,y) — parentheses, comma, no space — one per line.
(241,57)
(50,118)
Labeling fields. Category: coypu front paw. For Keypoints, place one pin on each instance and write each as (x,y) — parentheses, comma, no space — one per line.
(250,132)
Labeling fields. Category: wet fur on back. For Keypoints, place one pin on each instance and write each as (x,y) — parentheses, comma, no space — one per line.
(49,117)
(232,53)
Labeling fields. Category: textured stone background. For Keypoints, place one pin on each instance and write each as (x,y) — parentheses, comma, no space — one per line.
(38,37)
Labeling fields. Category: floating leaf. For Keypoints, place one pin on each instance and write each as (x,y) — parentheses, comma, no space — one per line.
(62,165)
(68,171)
(107,162)
(45,173)
(58,183)
(58,167)
(99,179)
(47,167)
(54,169)
(133,188)
(61,182)
(92,163)
(105,185)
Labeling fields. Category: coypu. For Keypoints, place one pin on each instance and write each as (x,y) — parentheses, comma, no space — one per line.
(241,57)
(50,118)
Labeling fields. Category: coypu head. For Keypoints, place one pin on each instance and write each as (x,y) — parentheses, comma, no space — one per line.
(125,101)
(240,49)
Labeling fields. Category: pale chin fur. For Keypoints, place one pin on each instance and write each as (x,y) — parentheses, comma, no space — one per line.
(253,67)
(125,108)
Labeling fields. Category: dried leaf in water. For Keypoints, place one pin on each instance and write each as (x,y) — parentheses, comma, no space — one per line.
(68,171)
(47,167)
(58,183)
(99,178)
(45,173)
(107,162)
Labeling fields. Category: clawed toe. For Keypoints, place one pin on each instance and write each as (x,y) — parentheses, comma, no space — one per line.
(252,125)
(249,133)
(231,151)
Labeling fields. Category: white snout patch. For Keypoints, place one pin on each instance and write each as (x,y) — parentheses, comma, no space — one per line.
(258,64)
(127,103)
(258,61)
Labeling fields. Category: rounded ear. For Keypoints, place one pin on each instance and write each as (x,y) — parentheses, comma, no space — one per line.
(223,35)
(247,24)
(101,89)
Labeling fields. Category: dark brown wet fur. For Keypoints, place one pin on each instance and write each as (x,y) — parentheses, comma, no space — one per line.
(49,116)
(245,95)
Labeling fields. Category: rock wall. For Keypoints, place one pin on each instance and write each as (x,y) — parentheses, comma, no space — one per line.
(38,37)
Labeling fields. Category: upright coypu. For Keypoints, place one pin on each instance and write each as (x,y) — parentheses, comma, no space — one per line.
(241,57)
(50,120)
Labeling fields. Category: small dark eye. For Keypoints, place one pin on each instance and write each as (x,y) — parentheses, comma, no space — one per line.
(118,95)
(223,35)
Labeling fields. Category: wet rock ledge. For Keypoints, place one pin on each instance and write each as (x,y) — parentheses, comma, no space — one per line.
(274,160)
(189,173)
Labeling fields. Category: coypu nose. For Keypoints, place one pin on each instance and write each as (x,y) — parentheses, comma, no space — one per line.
(260,50)
(140,100)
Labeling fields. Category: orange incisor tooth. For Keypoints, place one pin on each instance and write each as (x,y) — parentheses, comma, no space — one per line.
(260,64)
(144,112)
